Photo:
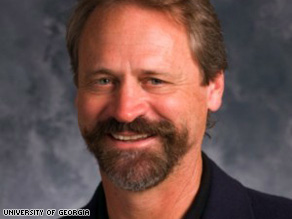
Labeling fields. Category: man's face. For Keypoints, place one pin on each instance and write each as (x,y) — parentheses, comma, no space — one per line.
(140,100)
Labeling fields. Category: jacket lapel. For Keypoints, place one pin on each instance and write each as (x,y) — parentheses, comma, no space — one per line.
(228,199)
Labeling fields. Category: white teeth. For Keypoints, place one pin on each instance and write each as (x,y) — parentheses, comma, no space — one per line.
(129,138)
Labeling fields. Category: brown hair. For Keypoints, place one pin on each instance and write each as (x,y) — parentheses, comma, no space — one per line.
(199,17)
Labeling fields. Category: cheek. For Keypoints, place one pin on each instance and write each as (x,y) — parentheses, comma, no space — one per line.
(89,110)
(183,110)
(170,108)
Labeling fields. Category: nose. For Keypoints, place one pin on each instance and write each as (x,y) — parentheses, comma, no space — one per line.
(129,102)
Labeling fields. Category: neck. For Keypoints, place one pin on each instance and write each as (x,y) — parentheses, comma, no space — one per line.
(170,199)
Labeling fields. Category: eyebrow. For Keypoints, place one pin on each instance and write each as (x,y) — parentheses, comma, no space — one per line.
(102,71)
(107,71)
(99,71)
(150,72)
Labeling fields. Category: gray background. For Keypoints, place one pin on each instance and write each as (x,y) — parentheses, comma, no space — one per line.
(43,160)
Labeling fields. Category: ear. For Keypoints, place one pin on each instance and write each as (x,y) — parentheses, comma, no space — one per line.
(215,91)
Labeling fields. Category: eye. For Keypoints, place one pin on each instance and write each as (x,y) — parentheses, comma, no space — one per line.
(155,81)
(104,81)
(102,84)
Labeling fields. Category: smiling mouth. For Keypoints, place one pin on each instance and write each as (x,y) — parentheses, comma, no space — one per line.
(133,137)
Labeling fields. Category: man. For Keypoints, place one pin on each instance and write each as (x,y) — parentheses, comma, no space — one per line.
(148,73)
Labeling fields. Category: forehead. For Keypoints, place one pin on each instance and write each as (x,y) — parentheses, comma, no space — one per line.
(130,31)
(132,15)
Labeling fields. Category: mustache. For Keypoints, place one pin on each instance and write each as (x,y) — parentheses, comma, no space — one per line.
(140,125)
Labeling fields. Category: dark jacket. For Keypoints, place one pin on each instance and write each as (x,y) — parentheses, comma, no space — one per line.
(227,199)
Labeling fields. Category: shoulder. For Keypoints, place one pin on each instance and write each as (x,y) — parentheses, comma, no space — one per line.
(269,206)
(228,198)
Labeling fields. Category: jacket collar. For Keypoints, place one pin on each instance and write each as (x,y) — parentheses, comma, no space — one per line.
(227,197)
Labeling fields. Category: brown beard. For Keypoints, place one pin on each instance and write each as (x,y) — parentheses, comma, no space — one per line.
(137,169)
